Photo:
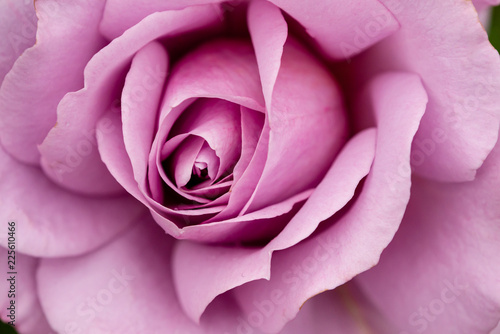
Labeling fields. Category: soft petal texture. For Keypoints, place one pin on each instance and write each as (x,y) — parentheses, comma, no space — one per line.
(124,287)
(67,37)
(461,72)
(447,250)
(78,112)
(269,31)
(122,15)
(18,28)
(353,242)
(340,311)
(52,221)
(352,164)
(342,29)
(140,101)
(29,317)
(484,4)
(308,127)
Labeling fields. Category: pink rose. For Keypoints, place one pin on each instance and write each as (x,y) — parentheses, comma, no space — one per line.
(214,167)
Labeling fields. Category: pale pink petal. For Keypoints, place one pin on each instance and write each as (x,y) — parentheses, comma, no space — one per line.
(251,129)
(269,32)
(18,28)
(484,4)
(183,160)
(114,155)
(140,101)
(78,112)
(67,37)
(461,73)
(218,122)
(224,69)
(308,126)
(441,272)
(342,28)
(343,310)
(121,15)
(53,221)
(351,243)
(27,314)
(352,164)
(124,287)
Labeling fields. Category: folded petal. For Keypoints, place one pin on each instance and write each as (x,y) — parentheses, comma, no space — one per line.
(440,273)
(121,15)
(351,243)
(461,72)
(239,267)
(67,37)
(18,26)
(140,102)
(78,112)
(53,221)
(343,310)
(124,287)
(308,126)
(342,29)
(28,316)
(484,4)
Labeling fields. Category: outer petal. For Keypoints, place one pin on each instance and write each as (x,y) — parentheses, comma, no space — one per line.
(67,38)
(122,15)
(124,287)
(52,221)
(342,29)
(441,272)
(78,112)
(461,72)
(351,243)
(29,317)
(18,28)
(341,311)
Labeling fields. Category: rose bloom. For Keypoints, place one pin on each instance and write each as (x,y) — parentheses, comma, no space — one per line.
(255,166)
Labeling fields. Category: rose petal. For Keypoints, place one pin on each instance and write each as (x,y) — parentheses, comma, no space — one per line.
(184,158)
(440,273)
(18,27)
(140,104)
(460,70)
(29,317)
(103,77)
(349,168)
(124,287)
(114,155)
(224,69)
(351,243)
(484,4)
(53,221)
(269,32)
(67,37)
(218,122)
(343,29)
(123,14)
(306,106)
(252,123)
(342,310)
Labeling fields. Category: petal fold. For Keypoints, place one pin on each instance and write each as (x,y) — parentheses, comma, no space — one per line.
(53,221)
(67,37)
